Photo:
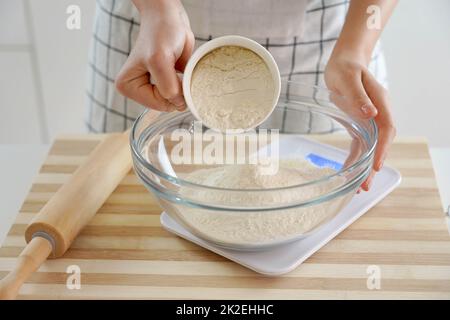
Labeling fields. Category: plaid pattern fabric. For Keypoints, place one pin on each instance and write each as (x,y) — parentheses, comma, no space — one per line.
(301,58)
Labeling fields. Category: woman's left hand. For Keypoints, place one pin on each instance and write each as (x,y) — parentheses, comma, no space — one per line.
(348,76)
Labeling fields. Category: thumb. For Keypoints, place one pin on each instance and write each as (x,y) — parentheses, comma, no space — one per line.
(356,101)
(163,74)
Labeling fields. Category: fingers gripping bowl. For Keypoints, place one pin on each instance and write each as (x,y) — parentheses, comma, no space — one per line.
(194,191)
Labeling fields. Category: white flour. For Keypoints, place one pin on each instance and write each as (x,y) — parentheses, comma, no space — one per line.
(232,88)
(257,227)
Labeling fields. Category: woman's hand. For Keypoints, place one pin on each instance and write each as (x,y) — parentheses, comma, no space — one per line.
(163,47)
(347,75)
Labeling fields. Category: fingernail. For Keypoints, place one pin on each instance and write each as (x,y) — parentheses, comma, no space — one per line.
(181,108)
(366,184)
(178,101)
(366,109)
(378,166)
(380,163)
(170,107)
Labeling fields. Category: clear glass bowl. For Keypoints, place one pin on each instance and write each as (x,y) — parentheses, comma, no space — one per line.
(313,125)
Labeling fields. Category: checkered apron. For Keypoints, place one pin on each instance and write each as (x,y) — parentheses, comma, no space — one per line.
(301,44)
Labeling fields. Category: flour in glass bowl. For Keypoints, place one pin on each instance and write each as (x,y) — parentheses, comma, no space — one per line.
(241,228)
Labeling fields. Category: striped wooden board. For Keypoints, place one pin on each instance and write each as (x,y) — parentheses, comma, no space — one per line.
(125,253)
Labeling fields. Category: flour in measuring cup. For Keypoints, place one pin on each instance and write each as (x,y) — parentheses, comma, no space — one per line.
(232,88)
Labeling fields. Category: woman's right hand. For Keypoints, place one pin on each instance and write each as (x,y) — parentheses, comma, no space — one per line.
(163,47)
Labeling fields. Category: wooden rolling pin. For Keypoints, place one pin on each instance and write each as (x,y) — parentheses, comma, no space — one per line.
(54,228)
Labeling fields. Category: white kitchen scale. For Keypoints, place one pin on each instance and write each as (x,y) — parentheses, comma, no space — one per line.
(284,258)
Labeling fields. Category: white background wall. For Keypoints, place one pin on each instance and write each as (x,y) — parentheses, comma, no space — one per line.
(416,42)
(417,49)
(61,59)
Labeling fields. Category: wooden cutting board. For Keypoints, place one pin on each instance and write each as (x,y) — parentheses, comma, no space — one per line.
(125,253)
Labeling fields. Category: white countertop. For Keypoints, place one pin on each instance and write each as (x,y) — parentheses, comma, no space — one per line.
(19,164)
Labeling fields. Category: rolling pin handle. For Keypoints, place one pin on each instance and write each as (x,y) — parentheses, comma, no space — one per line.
(29,260)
